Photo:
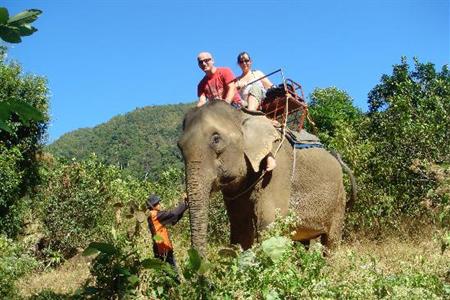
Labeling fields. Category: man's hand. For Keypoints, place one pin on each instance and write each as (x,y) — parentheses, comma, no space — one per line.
(185,198)
(201,100)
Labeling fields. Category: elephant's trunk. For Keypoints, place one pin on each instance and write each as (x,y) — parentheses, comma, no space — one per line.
(198,189)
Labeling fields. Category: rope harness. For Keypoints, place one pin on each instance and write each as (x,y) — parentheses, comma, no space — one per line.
(264,172)
(290,94)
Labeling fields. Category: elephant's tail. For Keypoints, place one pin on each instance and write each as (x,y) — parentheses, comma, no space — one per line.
(352,178)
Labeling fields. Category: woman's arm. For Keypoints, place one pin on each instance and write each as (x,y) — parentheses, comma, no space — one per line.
(265,81)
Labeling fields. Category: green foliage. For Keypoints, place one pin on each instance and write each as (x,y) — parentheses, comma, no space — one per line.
(47,294)
(331,108)
(390,147)
(80,201)
(13,28)
(169,185)
(117,268)
(23,116)
(20,145)
(437,199)
(77,202)
(31,90)
(25,111)
(275,268)
(14,263)
(143,142)
(10,188)
(409,127)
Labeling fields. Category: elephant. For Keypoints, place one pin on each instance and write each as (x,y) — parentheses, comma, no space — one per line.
(225,149)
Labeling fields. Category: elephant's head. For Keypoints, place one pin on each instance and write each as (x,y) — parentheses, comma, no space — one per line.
(220,146)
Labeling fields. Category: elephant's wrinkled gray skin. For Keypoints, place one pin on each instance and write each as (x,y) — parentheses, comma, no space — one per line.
(225,149)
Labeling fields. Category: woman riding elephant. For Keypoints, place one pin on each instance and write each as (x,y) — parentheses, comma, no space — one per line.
(225,149)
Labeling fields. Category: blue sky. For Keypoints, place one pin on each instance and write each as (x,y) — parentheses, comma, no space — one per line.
(104,58)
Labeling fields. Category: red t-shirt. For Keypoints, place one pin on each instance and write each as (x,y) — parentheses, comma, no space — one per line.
(214,87)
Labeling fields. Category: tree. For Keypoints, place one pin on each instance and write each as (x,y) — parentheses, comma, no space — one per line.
(23,115)
(409,128)
(341,125)
(20,146)
(11,31)
(331,108)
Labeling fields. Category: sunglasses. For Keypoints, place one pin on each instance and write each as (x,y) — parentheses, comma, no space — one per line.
(206,60)
(244,61)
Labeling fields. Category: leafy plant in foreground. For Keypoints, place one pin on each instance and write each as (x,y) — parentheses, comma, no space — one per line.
(14,263)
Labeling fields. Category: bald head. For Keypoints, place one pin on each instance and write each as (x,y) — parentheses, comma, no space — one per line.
(206,62)
(203,55)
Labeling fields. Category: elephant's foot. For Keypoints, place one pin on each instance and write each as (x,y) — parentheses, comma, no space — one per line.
(330,243)
(306,244)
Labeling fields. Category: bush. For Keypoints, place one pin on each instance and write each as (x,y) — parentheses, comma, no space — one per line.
(77,202)
(10,190)
(80,201)
(14,263)
(275,268)
(19,147)
(409,125)
(390,147)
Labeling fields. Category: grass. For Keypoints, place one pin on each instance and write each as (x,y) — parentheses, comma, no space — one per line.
(399,267)
(62,280)
(394,267)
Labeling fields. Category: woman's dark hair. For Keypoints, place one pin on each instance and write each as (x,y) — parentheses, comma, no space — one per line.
(241,55)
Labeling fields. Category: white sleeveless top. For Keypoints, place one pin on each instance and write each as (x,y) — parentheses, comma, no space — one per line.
(244,91)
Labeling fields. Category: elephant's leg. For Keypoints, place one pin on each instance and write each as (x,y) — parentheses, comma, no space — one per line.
(242,223)
(333,237)
(306,244)
(330,241)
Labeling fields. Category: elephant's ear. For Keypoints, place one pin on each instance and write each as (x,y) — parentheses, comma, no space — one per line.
(259,134)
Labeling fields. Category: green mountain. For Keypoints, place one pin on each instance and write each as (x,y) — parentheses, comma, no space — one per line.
(143,141)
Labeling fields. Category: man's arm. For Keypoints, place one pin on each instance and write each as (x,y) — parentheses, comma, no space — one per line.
(231,90)
(229,84)
(201,100)
(171,217)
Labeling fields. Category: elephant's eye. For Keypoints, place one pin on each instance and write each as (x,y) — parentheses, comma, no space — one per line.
(217,143)
(215,139)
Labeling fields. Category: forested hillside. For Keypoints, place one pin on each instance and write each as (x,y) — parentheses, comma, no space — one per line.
(143,141)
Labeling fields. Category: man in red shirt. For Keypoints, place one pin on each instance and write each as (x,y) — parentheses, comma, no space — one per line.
(218,82)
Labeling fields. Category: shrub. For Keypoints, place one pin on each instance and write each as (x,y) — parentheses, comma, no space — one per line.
(14,263)
(77,202)
(10,190)
(409,124)
(80,201)
(19,146)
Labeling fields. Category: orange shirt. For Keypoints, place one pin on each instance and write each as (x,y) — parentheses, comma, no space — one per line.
(165,245)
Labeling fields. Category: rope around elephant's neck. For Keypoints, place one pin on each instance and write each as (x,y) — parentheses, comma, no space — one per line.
(263,172)
(283,137)
(247,189)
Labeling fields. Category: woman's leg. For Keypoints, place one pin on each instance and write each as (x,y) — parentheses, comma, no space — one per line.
(255,95)
(253,103)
